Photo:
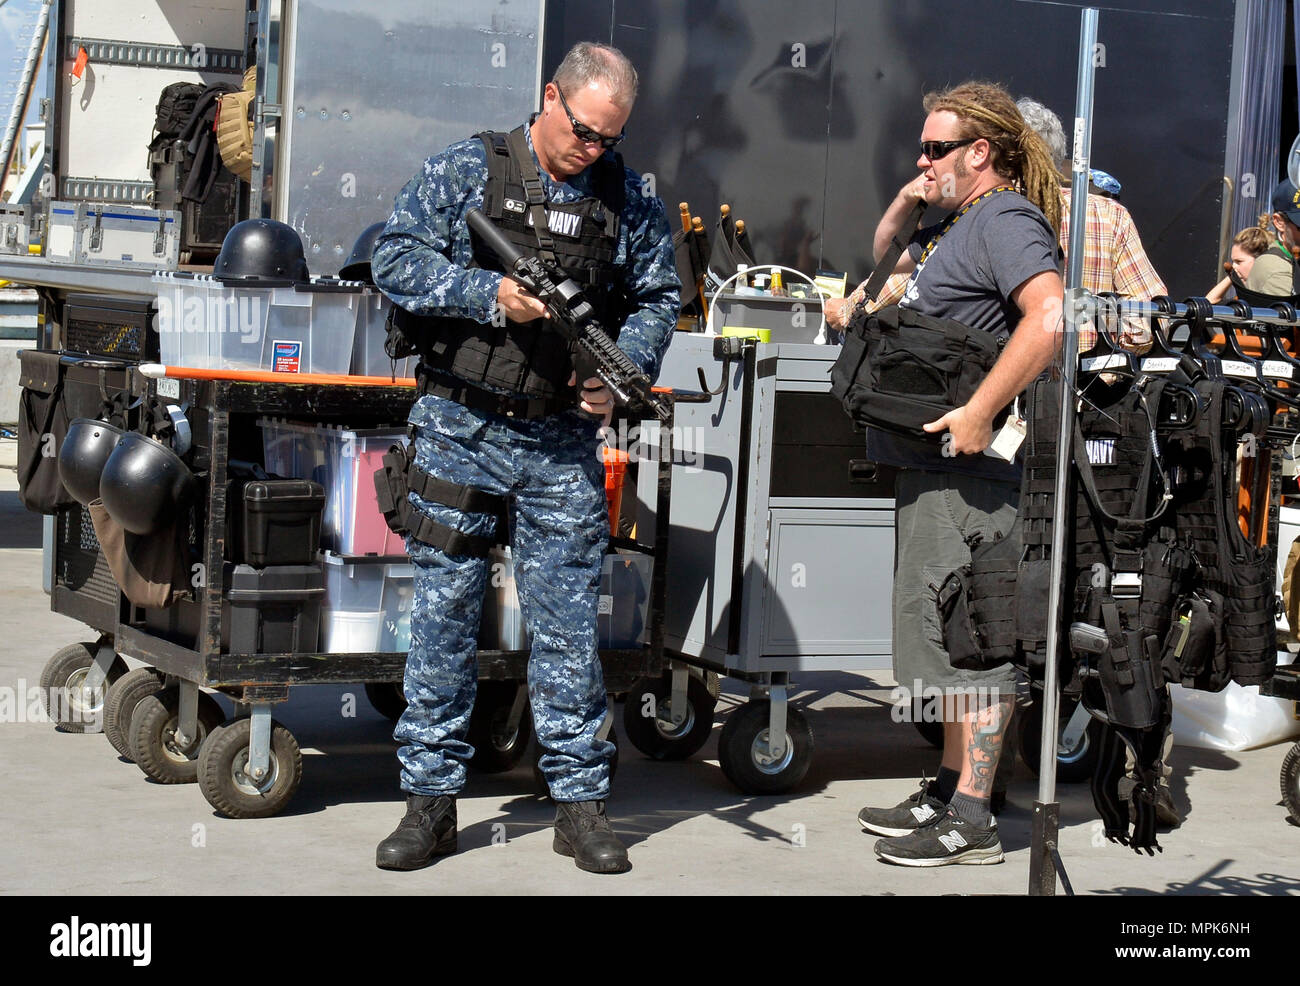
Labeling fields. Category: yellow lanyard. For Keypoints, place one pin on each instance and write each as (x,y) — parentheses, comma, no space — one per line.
(934,242)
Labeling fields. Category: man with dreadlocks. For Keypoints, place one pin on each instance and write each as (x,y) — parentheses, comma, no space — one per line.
(992,264)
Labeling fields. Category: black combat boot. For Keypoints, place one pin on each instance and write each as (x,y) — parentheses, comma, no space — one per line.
(582,831)
(427,831)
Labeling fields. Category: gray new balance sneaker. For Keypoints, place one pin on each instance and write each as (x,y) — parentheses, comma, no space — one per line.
(906,816)
(949,838)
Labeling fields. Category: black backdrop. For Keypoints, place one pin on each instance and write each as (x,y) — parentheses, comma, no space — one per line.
(810,154)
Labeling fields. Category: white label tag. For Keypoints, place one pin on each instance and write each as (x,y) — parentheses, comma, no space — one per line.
(1008,440)
(1276,368)
(1104,362)
(169,387)
(1159,364)
(1236,368)
(604,605)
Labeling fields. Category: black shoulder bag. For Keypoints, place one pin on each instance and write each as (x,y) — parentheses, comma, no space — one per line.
(899,369)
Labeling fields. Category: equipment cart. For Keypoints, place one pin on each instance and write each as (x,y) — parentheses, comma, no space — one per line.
(782,535)
(250,765)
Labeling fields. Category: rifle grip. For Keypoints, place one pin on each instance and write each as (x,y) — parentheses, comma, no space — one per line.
(584,366)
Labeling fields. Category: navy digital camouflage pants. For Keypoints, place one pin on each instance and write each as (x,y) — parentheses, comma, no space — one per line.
(550,469)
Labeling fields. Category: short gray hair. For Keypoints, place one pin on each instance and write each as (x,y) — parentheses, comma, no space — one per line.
(1047,125)
(589,62)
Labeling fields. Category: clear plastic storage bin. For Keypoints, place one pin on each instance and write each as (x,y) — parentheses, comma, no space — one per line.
(398,595)
(368,356)
(206,324)
(502,626)
(622,608)
(344,462)
(367,606)
(624,603)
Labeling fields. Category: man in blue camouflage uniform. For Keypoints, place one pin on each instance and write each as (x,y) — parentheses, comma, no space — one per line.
(546,467)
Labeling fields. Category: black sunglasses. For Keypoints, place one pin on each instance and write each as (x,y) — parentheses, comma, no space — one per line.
(936,149)
(583,132)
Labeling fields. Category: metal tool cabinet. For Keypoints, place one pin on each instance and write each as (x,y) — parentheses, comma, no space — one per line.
(782,535)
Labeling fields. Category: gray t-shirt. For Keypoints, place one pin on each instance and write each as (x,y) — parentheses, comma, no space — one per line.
(969,276)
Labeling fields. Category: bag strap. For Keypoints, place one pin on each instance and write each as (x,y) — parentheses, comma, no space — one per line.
(534,192)
(897,245)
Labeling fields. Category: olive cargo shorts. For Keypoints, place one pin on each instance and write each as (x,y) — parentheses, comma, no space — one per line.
(934,514)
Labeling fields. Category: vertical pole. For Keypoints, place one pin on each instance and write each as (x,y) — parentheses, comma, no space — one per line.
(1043,845)
(269,111)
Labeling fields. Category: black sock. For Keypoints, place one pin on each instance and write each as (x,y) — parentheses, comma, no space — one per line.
(945,785)
(974,810)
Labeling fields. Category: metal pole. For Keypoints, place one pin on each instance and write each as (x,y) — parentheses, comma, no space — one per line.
(24,89)
(1043,856)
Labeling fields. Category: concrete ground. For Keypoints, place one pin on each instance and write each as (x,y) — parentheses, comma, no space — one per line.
(689,830)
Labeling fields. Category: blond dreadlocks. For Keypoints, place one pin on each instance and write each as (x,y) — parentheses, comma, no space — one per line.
(986,110)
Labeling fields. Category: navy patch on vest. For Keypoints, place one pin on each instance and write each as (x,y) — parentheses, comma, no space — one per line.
(1101,451)
(561,223)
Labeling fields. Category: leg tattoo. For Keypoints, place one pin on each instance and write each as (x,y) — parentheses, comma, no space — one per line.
(985,747)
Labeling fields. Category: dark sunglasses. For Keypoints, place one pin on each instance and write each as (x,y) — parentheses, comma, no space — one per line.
(936,149)
(583,132)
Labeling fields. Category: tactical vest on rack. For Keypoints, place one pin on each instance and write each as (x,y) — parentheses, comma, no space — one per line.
(1233,579)
(1123,564)
(1160,583)
(529,358)
(1156,548)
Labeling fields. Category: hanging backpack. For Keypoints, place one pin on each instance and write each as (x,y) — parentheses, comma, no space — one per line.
(235,127)
(175,107)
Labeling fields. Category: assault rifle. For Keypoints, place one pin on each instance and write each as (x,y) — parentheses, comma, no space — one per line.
(594,352)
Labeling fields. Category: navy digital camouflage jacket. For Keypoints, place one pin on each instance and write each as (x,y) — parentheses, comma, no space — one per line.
(421,257)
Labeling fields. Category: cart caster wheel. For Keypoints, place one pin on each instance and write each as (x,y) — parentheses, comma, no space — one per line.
(1291,782)
(68,705)
(223,759)
(647,718)
(714,684)
(743,749)
(495,750)
(930,725)
(152,736)
(120,702)
(387,698)
(1073,766)
(539,779)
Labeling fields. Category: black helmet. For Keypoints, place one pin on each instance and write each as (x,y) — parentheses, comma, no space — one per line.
(145,484)
(262,250)
(82,455)
(358,266)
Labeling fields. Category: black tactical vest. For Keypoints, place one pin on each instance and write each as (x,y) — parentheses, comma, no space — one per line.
(1156,544)
(1233,578)
(1160,584)
(530,358)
